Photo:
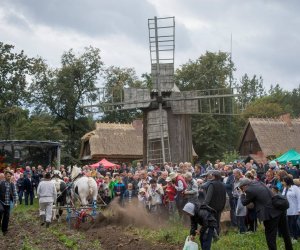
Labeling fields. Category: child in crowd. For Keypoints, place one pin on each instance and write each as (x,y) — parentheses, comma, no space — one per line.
(170,197)
(129,194)
(119,189)
(142,198)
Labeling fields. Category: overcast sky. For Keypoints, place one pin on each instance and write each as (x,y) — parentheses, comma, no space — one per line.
(266,37)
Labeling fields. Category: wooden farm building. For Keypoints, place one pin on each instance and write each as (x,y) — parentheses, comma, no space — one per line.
(265,138)
(115,142)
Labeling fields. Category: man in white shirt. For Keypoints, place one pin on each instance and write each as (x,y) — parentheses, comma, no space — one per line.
(47,195)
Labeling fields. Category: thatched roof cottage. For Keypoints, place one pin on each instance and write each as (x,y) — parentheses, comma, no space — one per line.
(115,142)
(270,137)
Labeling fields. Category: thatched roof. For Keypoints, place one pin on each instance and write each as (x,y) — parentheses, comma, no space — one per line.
(114,140)
(275,136)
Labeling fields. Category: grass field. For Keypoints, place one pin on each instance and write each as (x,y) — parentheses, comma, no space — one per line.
(174,234)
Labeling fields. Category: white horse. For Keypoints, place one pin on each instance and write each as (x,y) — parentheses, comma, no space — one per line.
(86,187)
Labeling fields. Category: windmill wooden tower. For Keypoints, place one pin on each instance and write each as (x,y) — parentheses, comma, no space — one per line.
(167,134)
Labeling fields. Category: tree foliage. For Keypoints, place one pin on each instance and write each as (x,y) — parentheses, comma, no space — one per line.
(15,69)
(41,127)
(251,89)
(212,135)
(230,156)
(209,71)
(263,108)
(115,80)
(63,91)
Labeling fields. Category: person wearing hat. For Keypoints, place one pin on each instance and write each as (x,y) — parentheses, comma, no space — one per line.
(261,196)
(142,198)
(273,165)
(216,194)
(8,194)
(204,216)
(47,194)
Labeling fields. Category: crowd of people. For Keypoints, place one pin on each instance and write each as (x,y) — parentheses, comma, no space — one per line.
(198,191)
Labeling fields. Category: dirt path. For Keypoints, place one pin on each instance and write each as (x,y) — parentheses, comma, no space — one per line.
(25,232)
(113,237)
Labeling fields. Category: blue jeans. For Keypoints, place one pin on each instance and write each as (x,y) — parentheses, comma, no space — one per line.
(20,195)
(206,238)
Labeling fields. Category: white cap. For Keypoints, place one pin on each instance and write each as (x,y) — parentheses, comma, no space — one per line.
(189,208)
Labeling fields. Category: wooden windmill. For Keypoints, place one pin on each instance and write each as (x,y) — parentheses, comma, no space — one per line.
(167,134)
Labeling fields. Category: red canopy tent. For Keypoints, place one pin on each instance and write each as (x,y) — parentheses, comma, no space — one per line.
(106,164)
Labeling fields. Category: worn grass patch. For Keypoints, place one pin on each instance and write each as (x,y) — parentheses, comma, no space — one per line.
(176,234)
(27,245)
(67,241)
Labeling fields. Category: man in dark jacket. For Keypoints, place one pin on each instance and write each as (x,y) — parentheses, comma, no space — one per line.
(216,195)
(204,216)
(20,187)
(231,199)
(35,177)
(261,196)
(28,189)
(8,194)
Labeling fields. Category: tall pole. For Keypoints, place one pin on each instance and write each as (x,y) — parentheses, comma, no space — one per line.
(159,94)
(231,101)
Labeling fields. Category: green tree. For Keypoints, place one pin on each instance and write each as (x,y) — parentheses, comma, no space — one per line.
(212,135)
(230,156)
(63,91)
(294,101)
(15,69)
(209,71)
(115,80)
(147,80)
(9,118)
(251,89)
(41,127)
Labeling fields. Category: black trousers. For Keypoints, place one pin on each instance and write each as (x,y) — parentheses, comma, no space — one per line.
(232,205)
(293,227)
(4,218)
(20,195)
(217,216)
(271,227)
(206,238)
(27,194)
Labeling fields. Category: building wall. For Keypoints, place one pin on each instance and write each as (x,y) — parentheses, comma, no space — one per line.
(180,130)
(180,137)
(249,144)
